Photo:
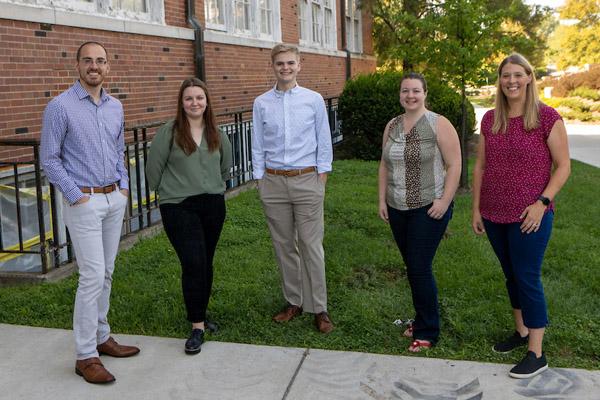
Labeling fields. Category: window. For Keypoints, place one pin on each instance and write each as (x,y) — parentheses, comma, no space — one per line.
(250,18)
(353,26)
(316,20)
(141,10)
(241,15)
(214,16)
(131,5)
(266,17)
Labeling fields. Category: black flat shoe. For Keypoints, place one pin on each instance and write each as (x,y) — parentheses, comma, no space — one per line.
(211,326)
(529,366)
(194,344)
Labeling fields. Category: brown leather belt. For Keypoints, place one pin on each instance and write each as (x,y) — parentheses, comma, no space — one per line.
(290,172)
(100,189)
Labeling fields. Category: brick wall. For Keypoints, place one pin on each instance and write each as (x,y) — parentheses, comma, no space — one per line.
(37,62)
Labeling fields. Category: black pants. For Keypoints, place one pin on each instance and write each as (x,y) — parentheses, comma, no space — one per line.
(193,228)
(418,237)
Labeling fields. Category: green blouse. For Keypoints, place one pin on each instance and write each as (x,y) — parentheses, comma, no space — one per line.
(177,176)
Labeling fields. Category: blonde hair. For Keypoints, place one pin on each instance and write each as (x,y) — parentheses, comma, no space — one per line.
(284,48)
(532,101)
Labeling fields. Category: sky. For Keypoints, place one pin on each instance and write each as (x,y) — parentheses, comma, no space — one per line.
(551,3)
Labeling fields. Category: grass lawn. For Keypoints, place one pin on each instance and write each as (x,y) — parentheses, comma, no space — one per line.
(366,281)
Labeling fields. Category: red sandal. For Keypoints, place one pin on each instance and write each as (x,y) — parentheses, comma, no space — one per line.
(409,331)
(418,344)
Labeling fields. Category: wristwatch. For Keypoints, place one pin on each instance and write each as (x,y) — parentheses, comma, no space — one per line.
(545,201)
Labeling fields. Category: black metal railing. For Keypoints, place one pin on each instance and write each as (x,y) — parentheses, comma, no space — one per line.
(46,235)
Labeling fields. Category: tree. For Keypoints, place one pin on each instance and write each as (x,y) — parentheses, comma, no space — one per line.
(578,42)
(459,40)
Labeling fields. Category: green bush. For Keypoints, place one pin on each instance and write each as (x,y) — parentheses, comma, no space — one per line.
(553,102)
(368,102)
(595,107)
(586,93)
(575,104)
(578,115)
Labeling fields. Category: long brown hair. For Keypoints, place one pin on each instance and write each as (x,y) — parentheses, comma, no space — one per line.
(532,100)
(182,133)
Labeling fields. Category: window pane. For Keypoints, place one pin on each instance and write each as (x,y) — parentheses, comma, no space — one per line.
(349,43)
(215,13)
(266,16)
(303,19)
(316,22)
(356,35)
(328,28)
(131,5)
(242,15)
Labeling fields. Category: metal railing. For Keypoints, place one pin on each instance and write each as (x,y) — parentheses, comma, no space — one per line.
(47,237)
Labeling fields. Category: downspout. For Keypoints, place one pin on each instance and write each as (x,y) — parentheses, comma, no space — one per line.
(198,39)
(344,41)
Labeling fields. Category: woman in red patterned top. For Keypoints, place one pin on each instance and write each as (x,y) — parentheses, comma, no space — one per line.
(514,184)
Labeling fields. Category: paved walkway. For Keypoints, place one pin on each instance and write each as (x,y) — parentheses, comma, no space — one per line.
(584,139)
(37,363)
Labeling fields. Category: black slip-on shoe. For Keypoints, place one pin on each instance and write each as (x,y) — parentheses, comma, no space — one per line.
(511,343)
(529,366)
(194,344)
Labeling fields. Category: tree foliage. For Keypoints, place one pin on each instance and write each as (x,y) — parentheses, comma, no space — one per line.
(410,33)
(579,42)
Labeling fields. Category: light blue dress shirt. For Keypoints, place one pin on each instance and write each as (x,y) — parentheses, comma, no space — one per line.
(82,143)
(290,131)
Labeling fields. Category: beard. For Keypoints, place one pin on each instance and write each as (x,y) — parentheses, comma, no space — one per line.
(92,81)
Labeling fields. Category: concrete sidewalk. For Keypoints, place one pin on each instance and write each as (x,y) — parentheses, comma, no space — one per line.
(37,363)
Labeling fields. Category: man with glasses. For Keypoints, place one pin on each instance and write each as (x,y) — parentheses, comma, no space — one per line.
(82,147)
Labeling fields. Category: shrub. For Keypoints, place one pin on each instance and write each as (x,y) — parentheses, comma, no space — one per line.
(575,104)
(553,102)
(578,115)
(562,86)
(595,108)
(368,102)
(586,93)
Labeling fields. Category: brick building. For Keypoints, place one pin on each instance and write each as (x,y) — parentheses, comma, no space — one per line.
(154,44)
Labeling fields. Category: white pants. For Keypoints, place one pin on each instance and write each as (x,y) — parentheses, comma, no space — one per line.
(95,229)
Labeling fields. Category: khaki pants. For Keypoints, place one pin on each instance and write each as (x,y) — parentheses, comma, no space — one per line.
(294,210)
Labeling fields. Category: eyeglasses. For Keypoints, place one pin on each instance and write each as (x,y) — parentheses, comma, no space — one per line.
(87,61)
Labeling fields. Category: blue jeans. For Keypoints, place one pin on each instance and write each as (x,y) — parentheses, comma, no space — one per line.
(418,237)
(521,255)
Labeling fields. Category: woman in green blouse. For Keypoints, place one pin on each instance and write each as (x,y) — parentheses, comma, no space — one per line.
(189,161)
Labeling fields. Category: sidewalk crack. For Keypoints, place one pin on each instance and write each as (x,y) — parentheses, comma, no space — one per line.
(289,386)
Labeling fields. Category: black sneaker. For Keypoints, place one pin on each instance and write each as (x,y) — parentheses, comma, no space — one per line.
(511,343)
(194,344)
(211,326)
(529,366)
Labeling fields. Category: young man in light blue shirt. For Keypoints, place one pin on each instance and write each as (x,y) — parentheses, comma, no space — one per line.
(291,156)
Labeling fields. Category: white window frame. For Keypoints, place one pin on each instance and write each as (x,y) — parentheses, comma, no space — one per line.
(154,13)
(255,31)
(353,21)
(313,30)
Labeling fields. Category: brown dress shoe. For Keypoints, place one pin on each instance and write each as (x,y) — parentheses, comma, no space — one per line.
(114,349)
(93,371)
(323,322)
(289,312)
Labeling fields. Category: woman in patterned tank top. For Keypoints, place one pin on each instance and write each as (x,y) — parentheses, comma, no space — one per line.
(513,188)
(418,176)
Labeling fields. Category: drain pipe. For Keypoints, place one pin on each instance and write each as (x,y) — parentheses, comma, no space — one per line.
(344,41)
(198,39)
